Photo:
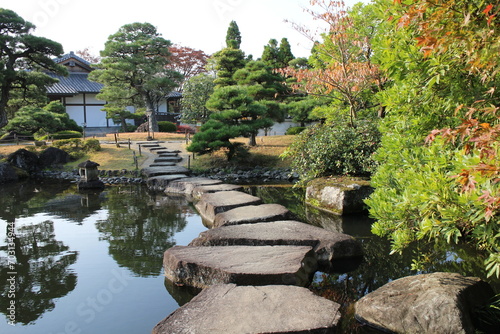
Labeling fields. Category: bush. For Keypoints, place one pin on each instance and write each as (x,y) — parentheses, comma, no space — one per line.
(294,130)
(130,128)
(61,135)
(77,148)
(91,145)
(322,150)
(167,127)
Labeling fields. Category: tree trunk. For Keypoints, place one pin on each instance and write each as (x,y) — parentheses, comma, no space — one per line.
(252,141)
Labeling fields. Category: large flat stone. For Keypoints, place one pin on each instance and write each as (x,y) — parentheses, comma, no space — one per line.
(212,204)
(427,303)
(186,186)
(243,265)
(232,309)
(251,214)
(159,183)
(213,188)
(328,246)
(156,171)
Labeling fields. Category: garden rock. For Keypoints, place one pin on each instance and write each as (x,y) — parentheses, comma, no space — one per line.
(232,309)
(212,204)
(53,156)
(428,303)
(341,196)
(201,267)
(7,173)
(251,214)
(24,160)
(328,246)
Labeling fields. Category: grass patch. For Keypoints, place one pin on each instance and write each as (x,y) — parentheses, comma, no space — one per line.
(265,154)
(110,157)
(143,136)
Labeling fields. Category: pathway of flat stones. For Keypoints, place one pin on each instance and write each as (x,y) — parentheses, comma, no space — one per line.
(253,264)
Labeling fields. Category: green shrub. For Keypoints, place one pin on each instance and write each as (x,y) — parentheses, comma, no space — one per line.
(323,150)
(91,145)
(167,127)
(130,128)
(294,130)
(68,134)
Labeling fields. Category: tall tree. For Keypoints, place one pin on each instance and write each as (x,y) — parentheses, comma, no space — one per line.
(270,54)
(134,69)
(285,55)
(233,36)
(23,57)
(197,91)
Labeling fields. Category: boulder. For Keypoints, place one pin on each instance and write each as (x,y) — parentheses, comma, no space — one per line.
(328,246)
(213,188)
(212,204)
(251,214)
(24,160)
(7,173)
(201,267)
(232,309)
(427,303)
(53,156)
(338,195)
(186,186)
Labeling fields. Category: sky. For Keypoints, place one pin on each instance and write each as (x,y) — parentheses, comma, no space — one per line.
(199,24)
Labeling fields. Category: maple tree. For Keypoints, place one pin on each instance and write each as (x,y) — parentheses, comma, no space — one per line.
(187,61)
(342,67)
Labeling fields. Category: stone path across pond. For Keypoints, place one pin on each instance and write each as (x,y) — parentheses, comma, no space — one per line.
(253,265)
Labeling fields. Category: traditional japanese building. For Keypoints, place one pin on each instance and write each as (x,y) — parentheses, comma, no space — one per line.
(78,94)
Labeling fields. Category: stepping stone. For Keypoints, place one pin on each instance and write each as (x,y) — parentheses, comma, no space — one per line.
(157,171)
(209,189)
(168,159)
(163,150)
(328,246)
(163,164)
(212,204)
(232,309)
(186,186)
(150,145)
(167,155)
(159,183)
(252,214)
(201,267)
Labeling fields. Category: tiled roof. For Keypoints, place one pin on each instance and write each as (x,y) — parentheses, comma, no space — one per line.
(173,94)
(73,84)
(72,55)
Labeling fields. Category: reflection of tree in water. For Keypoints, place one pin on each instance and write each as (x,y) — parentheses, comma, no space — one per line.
(140,227)
(42,271)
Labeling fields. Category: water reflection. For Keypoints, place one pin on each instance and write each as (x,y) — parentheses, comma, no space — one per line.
(66,244)
(140,227)
(42,272)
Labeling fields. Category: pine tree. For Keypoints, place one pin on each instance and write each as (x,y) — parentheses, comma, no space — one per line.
(233,36)
(285,54)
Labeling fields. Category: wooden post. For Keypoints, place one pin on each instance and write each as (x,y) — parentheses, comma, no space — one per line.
(189,162)
(140,153)
(129,143)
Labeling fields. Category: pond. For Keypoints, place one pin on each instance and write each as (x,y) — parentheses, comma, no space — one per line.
(92,262)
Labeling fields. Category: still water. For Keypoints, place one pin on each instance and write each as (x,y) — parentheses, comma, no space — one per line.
(92,262)
(88,263)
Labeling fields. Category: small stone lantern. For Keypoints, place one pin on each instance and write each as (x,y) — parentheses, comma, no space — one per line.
(89,175)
